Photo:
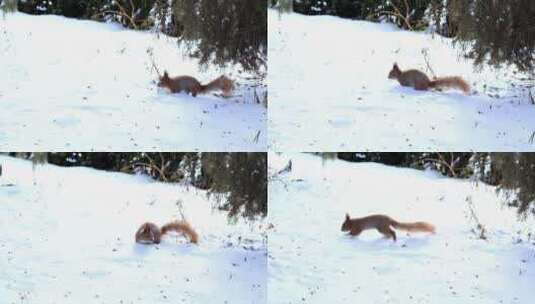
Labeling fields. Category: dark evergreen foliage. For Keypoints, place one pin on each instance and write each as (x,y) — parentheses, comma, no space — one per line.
(448,163)
(404,13)
(8,6)
(130,13)
(243,176)
(497,32)
(359,9)
(516,178)
(225,31)
(388,158)
(68,8)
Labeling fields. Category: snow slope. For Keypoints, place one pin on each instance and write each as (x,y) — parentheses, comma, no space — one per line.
(68,237)
(312,261)
(67,84)
(329,91)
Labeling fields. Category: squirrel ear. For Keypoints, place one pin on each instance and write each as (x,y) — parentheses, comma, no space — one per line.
(165,74)
(347,216)
(395,64)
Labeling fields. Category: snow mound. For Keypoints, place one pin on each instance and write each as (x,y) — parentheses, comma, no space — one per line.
(69,83)
(69,238)
(329,91)
(312,261)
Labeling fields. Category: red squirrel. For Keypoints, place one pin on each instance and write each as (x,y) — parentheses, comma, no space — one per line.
(383,224)
(149,233)
(419,81)
(192,86)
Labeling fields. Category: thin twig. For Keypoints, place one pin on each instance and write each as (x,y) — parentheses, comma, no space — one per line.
(151,57)
(257,137)
(397,13)
(152,166)
(442,162)
(482,231)
(424,52)
(180,205)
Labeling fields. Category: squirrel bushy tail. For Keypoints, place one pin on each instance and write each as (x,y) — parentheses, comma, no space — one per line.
(221,83)
(416,226)
(181,227)
(450,82)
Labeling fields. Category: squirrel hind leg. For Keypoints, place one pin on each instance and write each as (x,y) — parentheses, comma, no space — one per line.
(195,91)
(388,232)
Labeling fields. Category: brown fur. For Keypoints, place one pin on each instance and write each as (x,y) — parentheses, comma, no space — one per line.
(192,86)
(419,81)
(183,228)
(149,233)
(383,224)
(222,83)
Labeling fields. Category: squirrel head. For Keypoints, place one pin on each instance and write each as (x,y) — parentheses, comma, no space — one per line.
(147,234)
(144,228)
(395,72)
(164,80)
(346,226)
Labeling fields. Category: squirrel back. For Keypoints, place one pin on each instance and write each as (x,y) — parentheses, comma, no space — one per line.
(149,233)
(192,86)
(419,81)
(178,84)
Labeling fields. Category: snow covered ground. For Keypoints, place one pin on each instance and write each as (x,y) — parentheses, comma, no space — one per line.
(68,237)
(90,86)
(312,261)
(329,91)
